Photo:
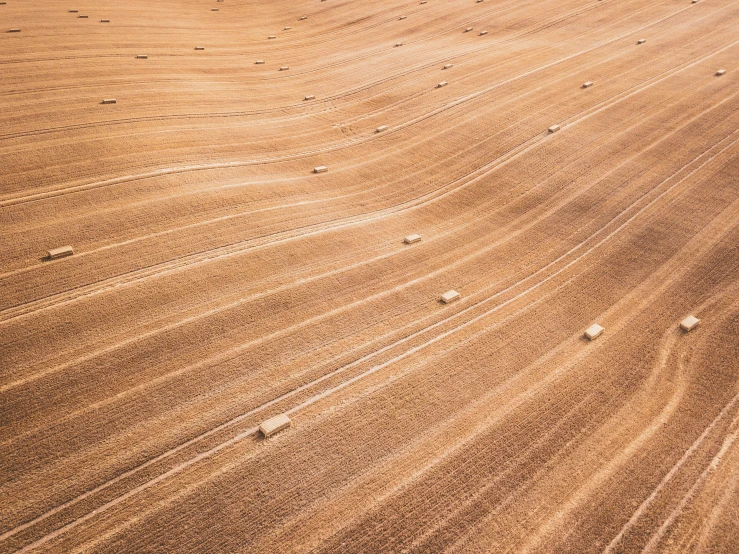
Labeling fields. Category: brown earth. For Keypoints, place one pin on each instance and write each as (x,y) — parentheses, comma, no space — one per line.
(217,281)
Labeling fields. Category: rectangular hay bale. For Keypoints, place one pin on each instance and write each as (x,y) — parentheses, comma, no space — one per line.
(320,169)
(61,252)
(594,331)
(449,296)
(412,239)
(689,323)
(274,425)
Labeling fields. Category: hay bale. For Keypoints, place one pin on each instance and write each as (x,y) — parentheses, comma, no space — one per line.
(320,169)
(271,37)
(214,9)
(108,101)
(274,425)
(284,68)
(381,128)
(73,11)
(720,72)
(14,30)
(259,62)
(468,29)
(594,331)
(401,17)
(303,17)
(105,21)
(83,16)
(641,41)
(442,84)
(398,44)
(689,323)
(448,66)
(553,128)
(449,296)
(412,239)
(287,28)
(61,252)
(483,33)
(587,84)
(142,56)
(310,97)
(200,48)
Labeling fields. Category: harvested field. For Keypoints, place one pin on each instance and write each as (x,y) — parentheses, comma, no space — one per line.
(239,254)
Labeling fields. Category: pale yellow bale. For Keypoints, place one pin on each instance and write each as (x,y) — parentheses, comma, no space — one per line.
(61,252)
(274,425)
(594,331)
(689,323)
(449,296)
